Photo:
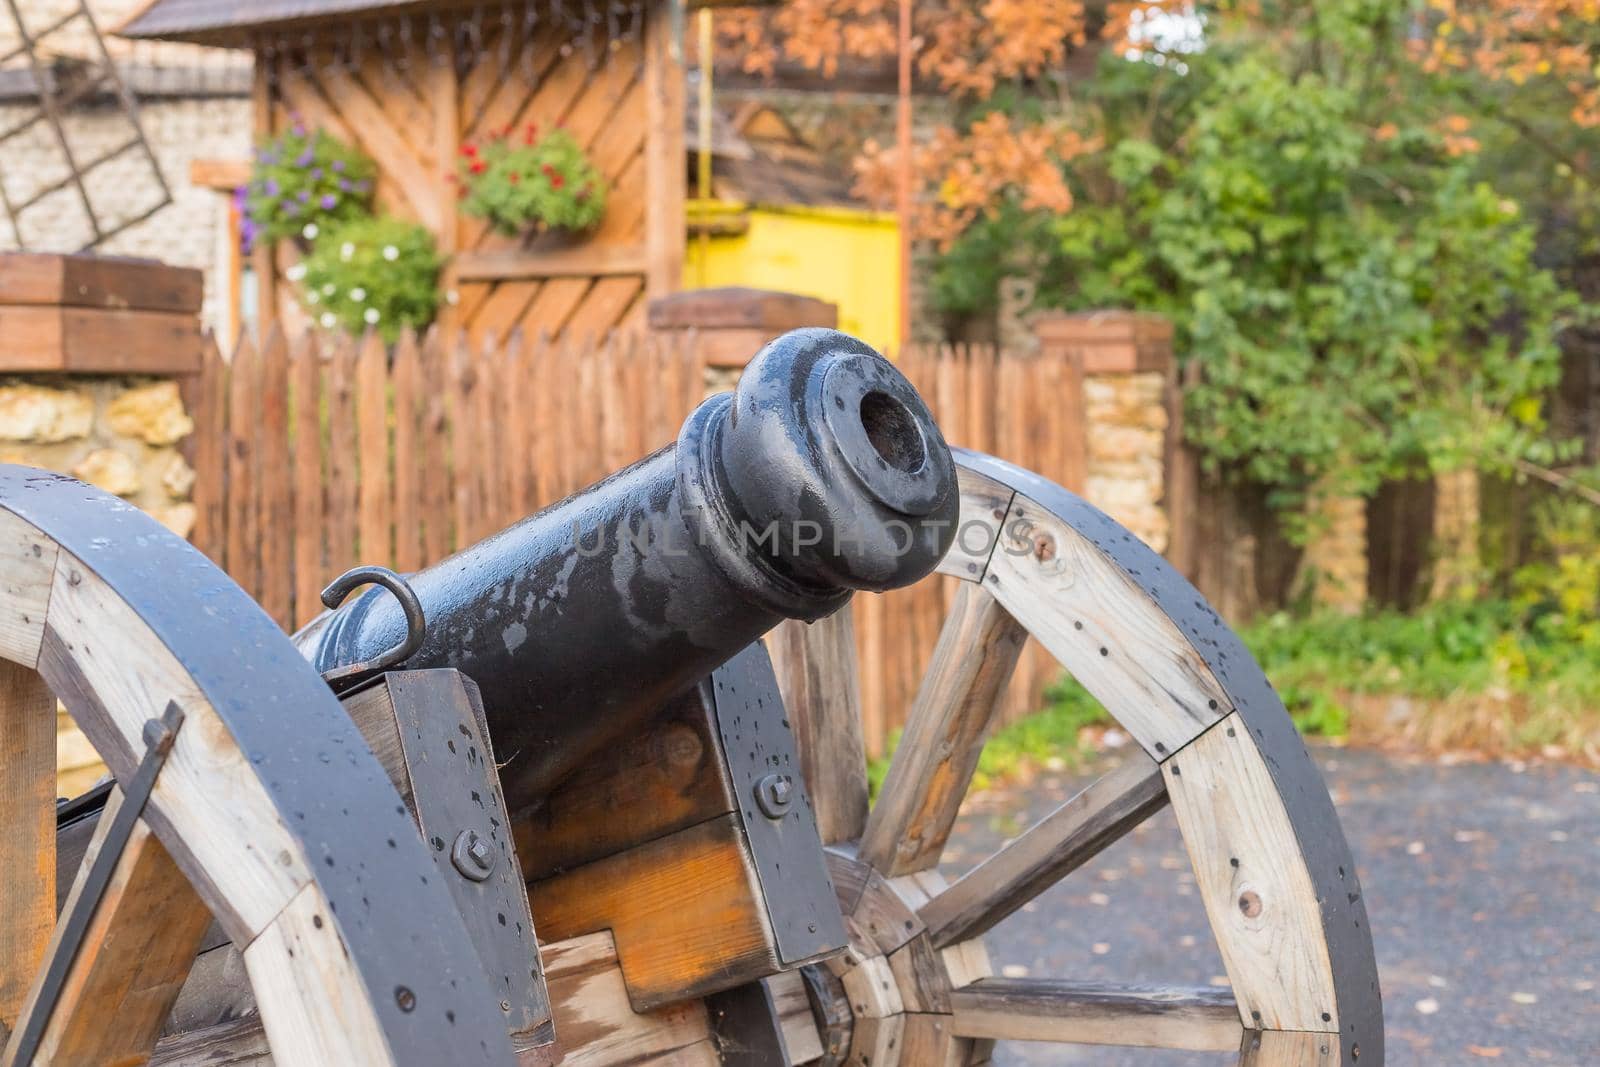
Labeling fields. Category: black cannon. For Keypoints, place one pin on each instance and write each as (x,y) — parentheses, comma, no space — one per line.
(823,474)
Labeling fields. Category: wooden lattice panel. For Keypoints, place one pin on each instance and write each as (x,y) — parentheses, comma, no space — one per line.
(411,109)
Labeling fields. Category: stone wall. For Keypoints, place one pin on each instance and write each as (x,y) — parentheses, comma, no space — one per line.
(1127,362)
(1333,568)
(121,434)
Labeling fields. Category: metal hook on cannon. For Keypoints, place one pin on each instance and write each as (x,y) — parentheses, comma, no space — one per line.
(347,674)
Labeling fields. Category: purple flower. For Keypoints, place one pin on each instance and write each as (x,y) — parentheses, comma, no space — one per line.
(247,234)
(344,185)
(338,166)
(241,197)
(305,158)
(270,187)
(291,208)
(316,174)
(329,202)
(305,196)
(299,127)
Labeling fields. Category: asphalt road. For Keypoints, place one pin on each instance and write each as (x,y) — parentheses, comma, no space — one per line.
(1482,884)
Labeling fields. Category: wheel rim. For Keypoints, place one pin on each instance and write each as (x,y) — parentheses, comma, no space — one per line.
(1268,855)
(270,813)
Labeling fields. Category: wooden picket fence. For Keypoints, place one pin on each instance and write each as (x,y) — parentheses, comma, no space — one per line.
(314,455)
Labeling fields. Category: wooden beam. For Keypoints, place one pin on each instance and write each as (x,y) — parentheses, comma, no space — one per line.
(817,675)
(133,959)
(1202,1019)
(1059,843)
(1286,1048)
(28,846)
(223,175)
(949,721)
(577,261)
(665,174)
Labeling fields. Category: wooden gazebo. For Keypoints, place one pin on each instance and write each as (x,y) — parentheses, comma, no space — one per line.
(409,82)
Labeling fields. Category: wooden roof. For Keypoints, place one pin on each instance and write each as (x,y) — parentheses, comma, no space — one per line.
(232,23)
(782,167)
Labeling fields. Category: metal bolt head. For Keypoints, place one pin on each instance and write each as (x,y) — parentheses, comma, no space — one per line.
(774,795)
(472,856)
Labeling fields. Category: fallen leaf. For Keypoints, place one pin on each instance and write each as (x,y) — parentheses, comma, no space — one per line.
(1488,1052)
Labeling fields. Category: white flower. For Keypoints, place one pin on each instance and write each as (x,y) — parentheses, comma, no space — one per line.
(371,316)
(452,298)
(296,272)
(313,298)
(310,232)
(329,290)
(346,251)
(391,253)
(328,320)
(358,294)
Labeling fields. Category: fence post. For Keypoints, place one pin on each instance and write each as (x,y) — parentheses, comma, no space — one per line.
(1137,468)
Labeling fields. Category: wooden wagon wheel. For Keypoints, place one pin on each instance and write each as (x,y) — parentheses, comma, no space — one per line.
(268,812)
(1268,855)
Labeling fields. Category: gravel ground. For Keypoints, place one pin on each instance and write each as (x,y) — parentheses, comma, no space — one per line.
(1482,883)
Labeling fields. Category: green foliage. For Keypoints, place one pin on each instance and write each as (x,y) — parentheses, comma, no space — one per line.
(1361,307)
(372,273)
(1049,733)
(541,182)
(1559,595)
(302,184)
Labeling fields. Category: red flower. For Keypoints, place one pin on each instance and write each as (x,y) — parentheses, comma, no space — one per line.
(530,133)
(478,166)
(557,181)
(549,171)
(513,177)
(469,150)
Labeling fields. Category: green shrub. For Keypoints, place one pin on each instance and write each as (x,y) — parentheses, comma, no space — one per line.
(303,184)
(373,273)
(540,182)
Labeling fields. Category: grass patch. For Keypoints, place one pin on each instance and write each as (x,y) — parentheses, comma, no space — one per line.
(1483,676)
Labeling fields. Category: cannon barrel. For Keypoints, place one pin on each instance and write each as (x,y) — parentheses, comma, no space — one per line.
(823,473)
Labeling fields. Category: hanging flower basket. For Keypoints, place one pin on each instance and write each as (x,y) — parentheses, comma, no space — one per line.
(377,274)
(530,183)
(302,183)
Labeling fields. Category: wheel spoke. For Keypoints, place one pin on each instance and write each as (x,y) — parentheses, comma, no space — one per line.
(977,651)
(1040,1009)
(132,961)
(1059,843)
(1288,1048)
(28,843)
(816,669)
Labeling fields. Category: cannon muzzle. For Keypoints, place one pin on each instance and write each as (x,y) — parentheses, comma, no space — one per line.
(823,473)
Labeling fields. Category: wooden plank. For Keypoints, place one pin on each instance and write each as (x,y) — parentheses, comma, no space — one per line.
(801,1040)
(443,135)
(437,494)
(276,502)
(409,400)
(311,572)
(378,137)
(596,1024)
(134,956)
(503,309)
(1035,1009)
(1058,844)
(343,485)
(583,260)
(666,176)
(550,310)
(315,1007)
(1253,880)
(459,385)
(99,282)
(819,680)
(205,396)
(376,506)
(600,313)
(244,561)
(1103,628)
(684,910)
(27,568)
(944,736)
(99,341)
(27,811)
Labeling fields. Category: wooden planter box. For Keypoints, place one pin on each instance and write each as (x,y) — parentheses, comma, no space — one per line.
(96,314)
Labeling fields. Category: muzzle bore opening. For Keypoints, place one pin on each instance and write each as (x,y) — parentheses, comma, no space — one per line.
(893,432)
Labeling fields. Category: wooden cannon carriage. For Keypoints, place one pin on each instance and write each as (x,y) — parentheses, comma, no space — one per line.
(547,802)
